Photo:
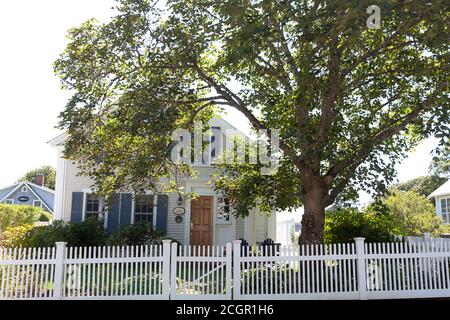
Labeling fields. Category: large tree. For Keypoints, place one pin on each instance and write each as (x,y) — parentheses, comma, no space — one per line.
(349,100)
(48,172)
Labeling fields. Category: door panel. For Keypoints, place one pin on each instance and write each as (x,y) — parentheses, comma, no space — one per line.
(201,221)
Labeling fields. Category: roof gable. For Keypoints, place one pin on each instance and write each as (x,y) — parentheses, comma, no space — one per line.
(8,190)
(441,191)
(46,195)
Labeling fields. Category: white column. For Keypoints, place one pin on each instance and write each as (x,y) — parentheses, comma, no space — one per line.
(59,269)
(229,271)
(361,268)
(166,269)
(173,273)
(236,269)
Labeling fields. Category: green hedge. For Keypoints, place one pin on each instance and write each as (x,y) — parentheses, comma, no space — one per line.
(16,215)
(88,233)
(342,226)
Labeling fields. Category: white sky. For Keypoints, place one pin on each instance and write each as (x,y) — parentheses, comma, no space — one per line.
(32,35)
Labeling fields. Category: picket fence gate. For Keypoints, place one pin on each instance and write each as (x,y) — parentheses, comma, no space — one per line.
(359,270)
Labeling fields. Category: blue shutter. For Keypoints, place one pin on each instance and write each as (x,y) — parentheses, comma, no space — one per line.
(113,215)
(76,214)
(126,209)
(161,213)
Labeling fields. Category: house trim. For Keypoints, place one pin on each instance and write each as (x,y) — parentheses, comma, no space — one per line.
(25,184)
(43,202)
(12,191)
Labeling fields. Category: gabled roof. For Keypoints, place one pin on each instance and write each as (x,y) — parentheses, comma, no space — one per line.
(7,190)
(56,141)
(218,121)
(441,191)
(47,196)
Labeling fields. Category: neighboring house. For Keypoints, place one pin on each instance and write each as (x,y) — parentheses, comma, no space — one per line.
(442,197)
(208,220)
(27,193)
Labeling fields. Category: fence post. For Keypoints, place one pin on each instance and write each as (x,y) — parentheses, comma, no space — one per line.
(236,269)
(59,269)
(166,268)
(361,268)
(228,271)
(173,273)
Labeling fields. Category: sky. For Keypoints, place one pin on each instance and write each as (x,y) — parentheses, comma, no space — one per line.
(32,35)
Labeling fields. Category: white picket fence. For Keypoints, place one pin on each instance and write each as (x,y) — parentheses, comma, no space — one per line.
(411,269)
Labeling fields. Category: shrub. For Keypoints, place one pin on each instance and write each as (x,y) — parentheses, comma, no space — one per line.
(135,234)
(16,215)
(411,213)
(16,236)
(344,225)
(88,233)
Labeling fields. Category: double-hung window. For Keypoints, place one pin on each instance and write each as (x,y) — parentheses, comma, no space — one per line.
(223,209)
(144,209)
(37,203)
(445,210)
(93,207)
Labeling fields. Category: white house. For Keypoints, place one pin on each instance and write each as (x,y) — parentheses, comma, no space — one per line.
(208,220)
(442,197)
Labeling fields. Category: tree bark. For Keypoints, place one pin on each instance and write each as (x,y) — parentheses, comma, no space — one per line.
(314,193)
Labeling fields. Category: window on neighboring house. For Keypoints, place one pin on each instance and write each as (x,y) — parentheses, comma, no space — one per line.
(223,209)
(445,209)
(8,201)
(93,206)
(37,203)
(24,189)
(144,209)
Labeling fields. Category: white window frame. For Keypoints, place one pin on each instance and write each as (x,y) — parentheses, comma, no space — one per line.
(230,210)
(24,189)
(100,206)
(34,203)
(11,201)
(155,207)
(447,212)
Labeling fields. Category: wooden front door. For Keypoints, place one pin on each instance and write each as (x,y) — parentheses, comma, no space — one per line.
(201,221)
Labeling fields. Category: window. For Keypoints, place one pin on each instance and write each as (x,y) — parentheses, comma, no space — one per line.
(445,210)
(93,206)
(143,209)
(8,201)
(24,189)
(223,209)
(37,203)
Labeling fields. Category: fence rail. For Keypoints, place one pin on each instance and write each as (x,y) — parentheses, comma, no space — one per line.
(415,268)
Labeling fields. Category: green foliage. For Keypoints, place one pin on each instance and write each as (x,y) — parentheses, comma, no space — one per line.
(16,215)
(88,233)
(421,185)
(349,101)
(441,162)
(134,234)
(49,176)
(342,226)
(411,213)
(16,236)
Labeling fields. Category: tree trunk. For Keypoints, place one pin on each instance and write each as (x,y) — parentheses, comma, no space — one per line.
(314,212)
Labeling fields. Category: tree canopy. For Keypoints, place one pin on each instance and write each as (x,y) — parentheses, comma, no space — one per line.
(48,172)
(440,165)
(349,100)
(423,186)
